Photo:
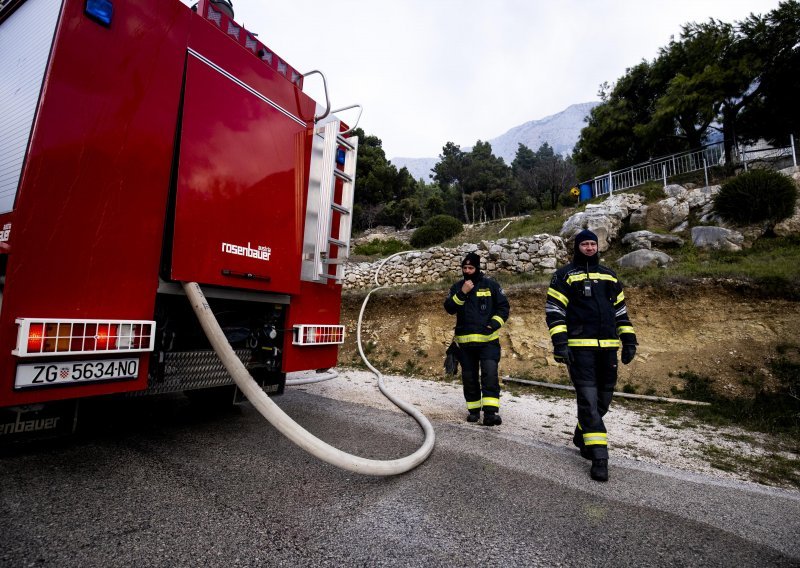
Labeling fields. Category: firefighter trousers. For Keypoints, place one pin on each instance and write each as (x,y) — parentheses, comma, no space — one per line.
(479,363)
(594,375)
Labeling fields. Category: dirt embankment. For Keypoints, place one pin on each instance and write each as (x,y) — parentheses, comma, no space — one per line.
(728,336)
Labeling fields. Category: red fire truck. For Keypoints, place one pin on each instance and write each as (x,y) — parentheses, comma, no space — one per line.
(144,144)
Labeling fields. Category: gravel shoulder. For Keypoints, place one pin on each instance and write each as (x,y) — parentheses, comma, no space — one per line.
(637,432)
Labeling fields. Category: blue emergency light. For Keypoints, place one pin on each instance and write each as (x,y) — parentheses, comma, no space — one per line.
(100,11)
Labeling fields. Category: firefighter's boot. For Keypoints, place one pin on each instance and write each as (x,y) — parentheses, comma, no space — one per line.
(599,471)
(473,416)
(577,440)
(491,419)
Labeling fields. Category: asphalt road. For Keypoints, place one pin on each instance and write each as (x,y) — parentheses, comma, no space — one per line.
(158,483)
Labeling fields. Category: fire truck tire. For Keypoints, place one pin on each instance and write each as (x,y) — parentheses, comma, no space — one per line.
(284,423)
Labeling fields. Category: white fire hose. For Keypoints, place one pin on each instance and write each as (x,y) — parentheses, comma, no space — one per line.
(289,427)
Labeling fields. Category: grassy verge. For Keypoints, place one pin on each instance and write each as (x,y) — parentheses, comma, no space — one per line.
(536,223)
(380,248)
(771,265)
(773,410)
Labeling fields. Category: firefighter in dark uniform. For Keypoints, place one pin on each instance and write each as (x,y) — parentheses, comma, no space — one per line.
(481,309)
(588,322)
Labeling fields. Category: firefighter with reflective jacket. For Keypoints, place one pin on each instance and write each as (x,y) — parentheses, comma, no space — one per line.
(588,322)
(481,309)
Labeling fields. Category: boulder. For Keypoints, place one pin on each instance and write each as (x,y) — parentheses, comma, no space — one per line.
(605,219)
(667,213)
(673,212)
(701,197)
(640,259)
(790,226)
(675,190)
(638,218)
(644,240)
(681,228)
(717,238)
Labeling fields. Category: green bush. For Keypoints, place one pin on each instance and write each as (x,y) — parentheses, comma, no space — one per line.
(755,196)
(381,247)
(447,224)
(696,387)
(567,199)
(652,191)
(436,230)
(425,236)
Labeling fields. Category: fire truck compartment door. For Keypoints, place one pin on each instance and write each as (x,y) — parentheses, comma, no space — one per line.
(240,185)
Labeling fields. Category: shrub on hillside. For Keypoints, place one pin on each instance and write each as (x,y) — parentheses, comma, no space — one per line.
(755,196)
(446,224)
(436,230)
(425,236)
(382,247)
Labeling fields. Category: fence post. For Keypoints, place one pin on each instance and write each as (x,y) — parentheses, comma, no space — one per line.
(610,185)
(664,173)
(744,159)
(794,155)
(705,170)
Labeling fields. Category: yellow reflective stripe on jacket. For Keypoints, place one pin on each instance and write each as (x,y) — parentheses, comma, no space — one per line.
(457,301)
(476,338)
(483,293)
(583,343)
(558,329)
(595,439)
(558,296)
(499,320)
(625,329)
(620,298)
(473,404)
(603,343)
(491,401)
(591,276)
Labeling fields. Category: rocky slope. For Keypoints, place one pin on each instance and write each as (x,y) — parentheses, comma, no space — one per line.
(725,334)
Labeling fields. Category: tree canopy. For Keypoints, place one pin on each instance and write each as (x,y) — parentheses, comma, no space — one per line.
(472,186)
(736,80)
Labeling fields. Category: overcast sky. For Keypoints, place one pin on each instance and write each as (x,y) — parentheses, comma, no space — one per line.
(432,71)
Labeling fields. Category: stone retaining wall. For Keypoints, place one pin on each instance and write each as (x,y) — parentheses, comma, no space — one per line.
(539,253)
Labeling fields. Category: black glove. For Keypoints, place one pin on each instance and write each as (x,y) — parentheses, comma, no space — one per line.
(628,353)
(563,354)
(451,359)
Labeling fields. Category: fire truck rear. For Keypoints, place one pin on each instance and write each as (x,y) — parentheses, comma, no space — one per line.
(144,144)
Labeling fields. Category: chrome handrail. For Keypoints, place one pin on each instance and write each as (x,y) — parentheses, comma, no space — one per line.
(327,98)
(360,110)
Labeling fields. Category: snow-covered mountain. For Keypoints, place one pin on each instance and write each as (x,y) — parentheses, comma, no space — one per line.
(561,131)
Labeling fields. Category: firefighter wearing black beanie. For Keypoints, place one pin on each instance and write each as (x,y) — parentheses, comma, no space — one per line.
(588,322)
(481,309)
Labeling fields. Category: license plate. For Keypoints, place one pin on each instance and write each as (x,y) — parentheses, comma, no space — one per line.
(74,372)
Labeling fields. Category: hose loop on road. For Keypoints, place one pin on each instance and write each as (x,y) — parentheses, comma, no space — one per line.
(286,425)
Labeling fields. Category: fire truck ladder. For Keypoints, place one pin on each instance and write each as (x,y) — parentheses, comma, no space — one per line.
(325,217)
